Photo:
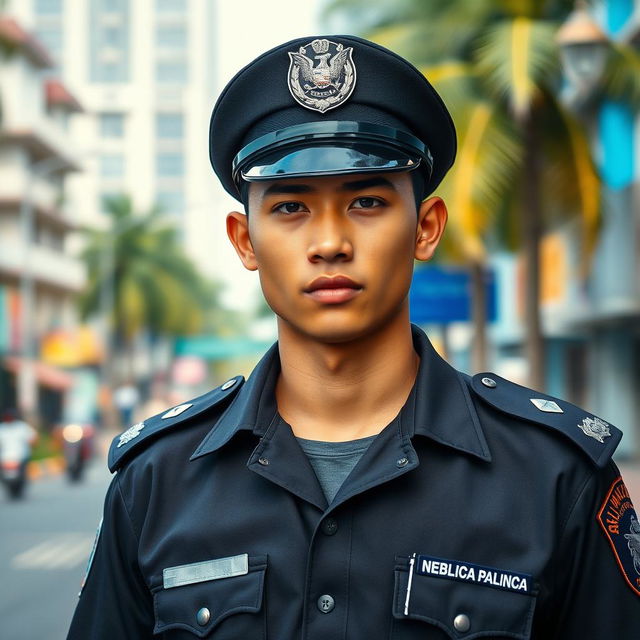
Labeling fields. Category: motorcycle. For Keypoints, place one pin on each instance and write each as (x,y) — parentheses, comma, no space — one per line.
(16,440)
(77,443)
(13,471)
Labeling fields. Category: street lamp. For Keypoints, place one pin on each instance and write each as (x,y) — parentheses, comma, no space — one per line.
(584,49)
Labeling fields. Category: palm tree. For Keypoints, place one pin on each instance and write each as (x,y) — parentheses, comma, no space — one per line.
(139,263)
(524,162)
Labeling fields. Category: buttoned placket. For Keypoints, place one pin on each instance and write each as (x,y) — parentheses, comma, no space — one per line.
(279,459)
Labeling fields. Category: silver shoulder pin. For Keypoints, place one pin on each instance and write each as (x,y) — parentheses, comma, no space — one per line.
(548,406)
(176,411)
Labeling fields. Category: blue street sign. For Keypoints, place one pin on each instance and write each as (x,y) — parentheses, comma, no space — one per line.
(440,295)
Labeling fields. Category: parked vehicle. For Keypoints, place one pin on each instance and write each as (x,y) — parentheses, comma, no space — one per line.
(16,441)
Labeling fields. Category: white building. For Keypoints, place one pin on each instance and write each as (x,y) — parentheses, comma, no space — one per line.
(145,74)
(38,277)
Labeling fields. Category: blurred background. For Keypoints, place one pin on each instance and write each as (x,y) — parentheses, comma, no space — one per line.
(120,295)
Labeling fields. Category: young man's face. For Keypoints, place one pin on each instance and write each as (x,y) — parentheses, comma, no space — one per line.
(335,254)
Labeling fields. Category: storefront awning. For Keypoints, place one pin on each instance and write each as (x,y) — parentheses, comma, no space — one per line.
(45,374)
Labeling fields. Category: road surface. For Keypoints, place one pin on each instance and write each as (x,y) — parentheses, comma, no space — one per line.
(45,541)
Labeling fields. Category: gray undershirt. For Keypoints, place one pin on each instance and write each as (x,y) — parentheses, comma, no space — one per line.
(334,461)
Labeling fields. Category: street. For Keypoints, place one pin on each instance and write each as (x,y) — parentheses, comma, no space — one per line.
(45,541)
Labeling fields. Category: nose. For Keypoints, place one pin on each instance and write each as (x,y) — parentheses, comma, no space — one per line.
(330,241)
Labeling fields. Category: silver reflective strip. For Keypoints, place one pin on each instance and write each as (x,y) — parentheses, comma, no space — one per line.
(203,571)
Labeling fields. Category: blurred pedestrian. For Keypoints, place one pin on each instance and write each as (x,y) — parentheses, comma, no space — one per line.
(357,486)
(126,398)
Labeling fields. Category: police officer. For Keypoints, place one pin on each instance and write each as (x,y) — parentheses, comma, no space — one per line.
(356,486)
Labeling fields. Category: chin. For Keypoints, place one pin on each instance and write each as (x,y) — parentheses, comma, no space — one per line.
(340,328)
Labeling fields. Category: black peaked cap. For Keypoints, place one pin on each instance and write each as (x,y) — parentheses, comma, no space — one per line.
(388,91)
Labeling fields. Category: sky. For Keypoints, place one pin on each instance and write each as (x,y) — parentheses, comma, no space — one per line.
(245,30)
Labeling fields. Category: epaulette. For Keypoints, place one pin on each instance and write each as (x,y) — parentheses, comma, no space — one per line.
(131,441)
(597,438)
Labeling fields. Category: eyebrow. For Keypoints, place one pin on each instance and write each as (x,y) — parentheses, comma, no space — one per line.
(278,188)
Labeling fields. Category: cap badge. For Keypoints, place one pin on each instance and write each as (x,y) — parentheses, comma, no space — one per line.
(595,428)
(321,75)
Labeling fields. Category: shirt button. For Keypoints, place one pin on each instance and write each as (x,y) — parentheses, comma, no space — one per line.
(203,616)
(462,623)
(402,462)
(489,382)
(326,603)
(329,526)
(263,461)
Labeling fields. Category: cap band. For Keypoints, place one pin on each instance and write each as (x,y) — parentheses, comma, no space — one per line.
(333,147)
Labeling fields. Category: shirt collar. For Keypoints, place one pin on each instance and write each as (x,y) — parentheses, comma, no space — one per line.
(447,417)
(440,406)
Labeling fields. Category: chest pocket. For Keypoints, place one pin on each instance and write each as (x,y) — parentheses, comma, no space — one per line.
(223,608)
(462,610)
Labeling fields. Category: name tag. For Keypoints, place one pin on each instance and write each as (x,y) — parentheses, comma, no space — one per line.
(205,571)
(474,573)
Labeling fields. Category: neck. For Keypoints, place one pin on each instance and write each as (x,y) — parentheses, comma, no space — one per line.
(345,391)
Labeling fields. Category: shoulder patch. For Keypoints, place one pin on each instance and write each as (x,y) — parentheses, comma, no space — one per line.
(619,521)
(597,438)
(128,443)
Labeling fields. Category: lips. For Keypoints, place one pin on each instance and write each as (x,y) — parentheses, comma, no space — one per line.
(333,289)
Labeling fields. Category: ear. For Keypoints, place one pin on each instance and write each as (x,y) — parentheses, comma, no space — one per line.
(238,233)
(432,219)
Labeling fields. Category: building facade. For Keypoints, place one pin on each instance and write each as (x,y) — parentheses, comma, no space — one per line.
(39,279)
(146,77)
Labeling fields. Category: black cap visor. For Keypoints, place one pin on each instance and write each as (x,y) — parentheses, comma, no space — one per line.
(330,148)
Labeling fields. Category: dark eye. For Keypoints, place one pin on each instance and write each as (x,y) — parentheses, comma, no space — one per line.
(367,203)
(289,207)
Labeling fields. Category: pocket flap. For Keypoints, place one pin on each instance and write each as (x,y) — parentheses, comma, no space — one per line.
(201,603)
(464,610)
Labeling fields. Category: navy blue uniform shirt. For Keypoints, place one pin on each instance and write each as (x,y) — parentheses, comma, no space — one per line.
(475,513)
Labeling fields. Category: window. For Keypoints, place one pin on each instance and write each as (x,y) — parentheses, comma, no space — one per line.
(171,5)
(112,125)
(174,36)
(169,125)
(112,165)
(171,72)
(170,165)
(171,202)
(113,36)
(48,7)
(51,37)
(109,31)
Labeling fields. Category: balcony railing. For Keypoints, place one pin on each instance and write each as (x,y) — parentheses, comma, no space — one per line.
(48,266)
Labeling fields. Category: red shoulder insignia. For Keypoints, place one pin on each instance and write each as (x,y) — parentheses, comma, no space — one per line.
(619,521)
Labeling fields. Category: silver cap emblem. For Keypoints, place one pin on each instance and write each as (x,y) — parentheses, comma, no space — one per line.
(130,434)
(321,75)
(595,428)
(548,406)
